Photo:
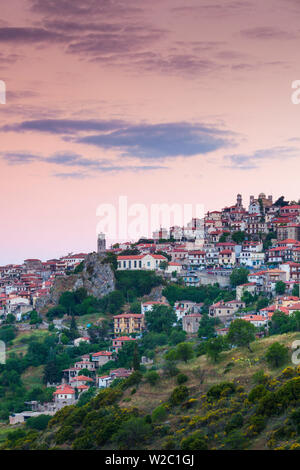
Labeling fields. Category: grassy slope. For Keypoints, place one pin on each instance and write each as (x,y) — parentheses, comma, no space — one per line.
(33,377)
(20,344)
(147,397)
(246,364)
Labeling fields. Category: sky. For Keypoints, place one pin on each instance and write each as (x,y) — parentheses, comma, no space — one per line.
(163,101)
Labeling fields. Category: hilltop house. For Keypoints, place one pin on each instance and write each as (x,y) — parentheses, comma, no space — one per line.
(137,262)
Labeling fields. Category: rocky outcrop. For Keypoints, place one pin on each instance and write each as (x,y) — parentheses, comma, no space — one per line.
(96,277)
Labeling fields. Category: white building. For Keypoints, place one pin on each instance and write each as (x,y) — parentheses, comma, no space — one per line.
(252,259)
(137,262)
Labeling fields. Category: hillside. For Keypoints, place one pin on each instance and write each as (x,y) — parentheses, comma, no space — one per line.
(237,403)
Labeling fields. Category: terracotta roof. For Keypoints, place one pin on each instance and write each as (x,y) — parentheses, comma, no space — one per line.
(102,353)
(64,389)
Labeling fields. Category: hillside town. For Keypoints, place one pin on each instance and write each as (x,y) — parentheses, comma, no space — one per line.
(261,242)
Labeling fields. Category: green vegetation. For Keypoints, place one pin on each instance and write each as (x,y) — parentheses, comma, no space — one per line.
(251,409)
(239,276)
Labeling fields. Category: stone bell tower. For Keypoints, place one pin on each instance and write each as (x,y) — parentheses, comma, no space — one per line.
(101,243)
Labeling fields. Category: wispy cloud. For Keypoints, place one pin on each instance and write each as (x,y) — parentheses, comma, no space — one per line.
(142,141)
(88,167)
(253,160)
(160,141)
(215,9)
(88,8)
(267,33)
(64,126)
(23,35)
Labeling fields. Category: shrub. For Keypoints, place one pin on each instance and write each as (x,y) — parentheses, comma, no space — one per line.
(170,369)
(152,377)
(258,423)
(134,379)
(224,388)
(268,405)
(131,433)
(66,433)
(184,351)
(195,441)
(181,379)
(236,440)
(39,423)
(260,377)
(178,395)
(159,414)
(256,393)
(82,443)
(276,355)
(235,422)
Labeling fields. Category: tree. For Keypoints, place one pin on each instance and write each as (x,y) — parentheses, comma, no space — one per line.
(177,336)
(280,323)
(296,290)
(262,302)
(51,373)
(152,377)
(224,237)
(214,347)
(111,258)
(132,433)
(125,355)
(241,333)
(280,287)
(238,237)
(184,351)
(276,354)
(247,297)
(207,327)
(239,276)
(136,357)
(199,374)
(163,265)
(160,319)
(35,318)
(39,423)
(73,333)
(135,307)
(281,202)
(10,318)
(115,302)
(7,333)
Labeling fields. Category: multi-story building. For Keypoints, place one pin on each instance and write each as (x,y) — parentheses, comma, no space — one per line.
(129,323)
(288,231)
(190,322)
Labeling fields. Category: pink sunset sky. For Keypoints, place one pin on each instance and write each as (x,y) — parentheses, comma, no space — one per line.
(162,101)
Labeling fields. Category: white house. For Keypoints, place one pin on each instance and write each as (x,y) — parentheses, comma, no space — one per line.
(256,320)
(65,394)
(252,259)
(148,306)
(83,339)
(104,381)
(197,258)
(174,267)
(137,262)
(102,357)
